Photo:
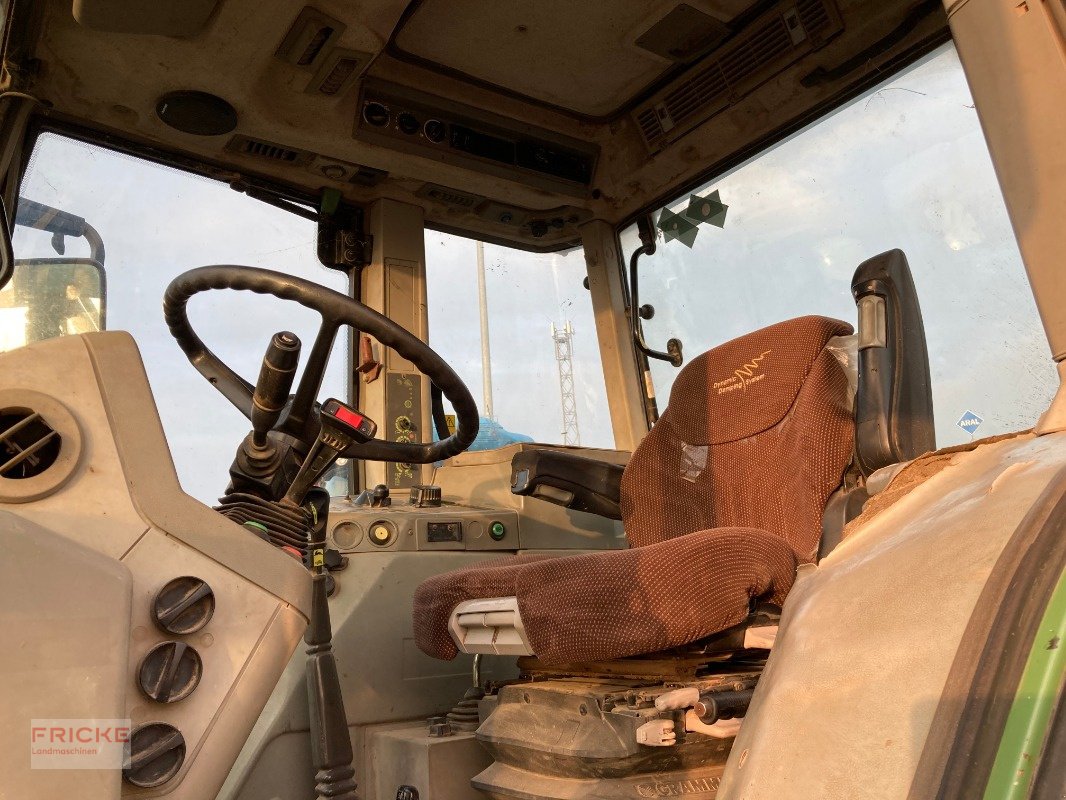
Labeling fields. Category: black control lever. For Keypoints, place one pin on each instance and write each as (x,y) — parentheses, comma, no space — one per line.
(331,745)
(341,428)
(275,381)
(713,706)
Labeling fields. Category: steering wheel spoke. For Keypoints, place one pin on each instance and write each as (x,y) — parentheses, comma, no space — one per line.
(336,310)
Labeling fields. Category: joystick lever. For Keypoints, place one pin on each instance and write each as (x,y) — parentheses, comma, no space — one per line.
(272,388)
(341,427)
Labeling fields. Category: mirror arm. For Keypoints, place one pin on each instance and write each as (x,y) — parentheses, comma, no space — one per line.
(96,244)
(31,214)
(673,346)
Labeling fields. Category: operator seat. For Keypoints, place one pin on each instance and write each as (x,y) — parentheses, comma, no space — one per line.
(720,502)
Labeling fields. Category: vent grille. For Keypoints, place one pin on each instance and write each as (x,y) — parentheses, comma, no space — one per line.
(311,36)
(813,15)
(314,47)
(257,148)
(264,150)
(28,444)
(338,76)
(648,121)
(338,72)
(770,43)
(452,198)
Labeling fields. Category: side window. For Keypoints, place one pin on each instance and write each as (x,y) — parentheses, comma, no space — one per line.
(150,223)
(904,166)
(544,380)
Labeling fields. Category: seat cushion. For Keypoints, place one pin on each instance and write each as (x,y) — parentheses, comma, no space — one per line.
(598,606)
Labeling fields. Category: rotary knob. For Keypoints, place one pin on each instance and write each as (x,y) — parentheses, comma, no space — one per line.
(184,605)
(157,751)
(425,496)
(169,672)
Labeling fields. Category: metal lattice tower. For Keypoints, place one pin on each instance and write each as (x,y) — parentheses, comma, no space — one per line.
(564,339)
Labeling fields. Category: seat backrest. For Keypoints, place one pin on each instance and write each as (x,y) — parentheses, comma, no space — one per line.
(894,397)
(758,433)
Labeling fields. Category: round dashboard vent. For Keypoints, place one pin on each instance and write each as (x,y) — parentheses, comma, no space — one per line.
(28,444)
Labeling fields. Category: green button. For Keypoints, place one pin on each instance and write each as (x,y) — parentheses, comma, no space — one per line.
(497,531)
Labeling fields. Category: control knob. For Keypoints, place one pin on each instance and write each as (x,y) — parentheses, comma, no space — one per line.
(157,751)
(425,496)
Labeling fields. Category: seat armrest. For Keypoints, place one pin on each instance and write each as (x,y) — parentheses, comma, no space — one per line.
(583,484)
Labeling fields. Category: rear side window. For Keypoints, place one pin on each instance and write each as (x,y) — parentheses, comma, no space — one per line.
(904,166)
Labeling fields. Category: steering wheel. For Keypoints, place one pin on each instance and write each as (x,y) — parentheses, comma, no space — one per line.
(302,421)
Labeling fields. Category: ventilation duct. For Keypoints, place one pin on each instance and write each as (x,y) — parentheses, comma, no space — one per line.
(759,51)
(28,444)
(310,38)
(258,148)
(339,70)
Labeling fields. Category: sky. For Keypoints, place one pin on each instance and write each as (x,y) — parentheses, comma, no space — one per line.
(904,166)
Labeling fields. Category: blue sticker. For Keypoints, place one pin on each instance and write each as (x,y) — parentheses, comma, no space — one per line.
(969,422)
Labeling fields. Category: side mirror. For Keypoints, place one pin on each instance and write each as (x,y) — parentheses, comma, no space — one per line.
(50,297)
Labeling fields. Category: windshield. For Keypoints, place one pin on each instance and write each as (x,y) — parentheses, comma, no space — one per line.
(904,166)
(155,223)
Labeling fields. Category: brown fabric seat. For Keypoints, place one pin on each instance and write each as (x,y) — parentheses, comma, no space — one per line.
(720,502)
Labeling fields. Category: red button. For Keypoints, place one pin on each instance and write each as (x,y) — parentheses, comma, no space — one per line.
(348,416)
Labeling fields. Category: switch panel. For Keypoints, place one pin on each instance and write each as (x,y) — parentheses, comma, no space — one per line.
(405,526)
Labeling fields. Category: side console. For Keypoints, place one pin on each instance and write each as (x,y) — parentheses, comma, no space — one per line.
(127,602)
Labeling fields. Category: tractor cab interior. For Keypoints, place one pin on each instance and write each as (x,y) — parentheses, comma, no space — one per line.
(590,332)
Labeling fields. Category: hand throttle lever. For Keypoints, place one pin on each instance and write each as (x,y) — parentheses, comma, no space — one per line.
(341,427)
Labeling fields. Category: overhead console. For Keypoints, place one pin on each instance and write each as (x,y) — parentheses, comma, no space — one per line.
(408,120)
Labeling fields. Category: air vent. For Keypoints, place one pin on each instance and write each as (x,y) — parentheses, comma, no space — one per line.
(341,72)
(311,51)
(453,198)
(758,52)
(28,444)
(257,148)
(309,38)
(338,72)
